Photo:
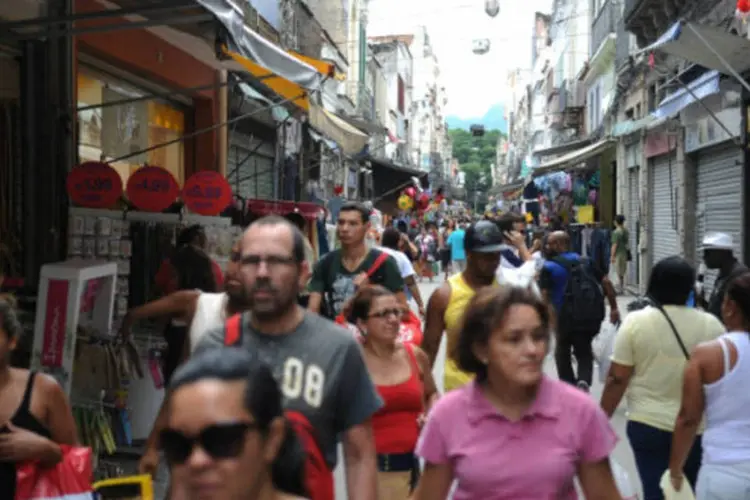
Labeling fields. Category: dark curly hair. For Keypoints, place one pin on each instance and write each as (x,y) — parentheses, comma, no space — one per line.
(739,292)
(9,322)
(485,314)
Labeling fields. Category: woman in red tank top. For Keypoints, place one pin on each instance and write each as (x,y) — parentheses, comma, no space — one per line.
(401,372)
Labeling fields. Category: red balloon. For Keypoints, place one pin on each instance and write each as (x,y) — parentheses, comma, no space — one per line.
(94,185)
(424,201)
(743,6)
(410,192)
(207,193)
(152,189)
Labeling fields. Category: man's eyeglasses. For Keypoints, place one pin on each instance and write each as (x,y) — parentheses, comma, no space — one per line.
(219,441)
(272,261)
(387,312)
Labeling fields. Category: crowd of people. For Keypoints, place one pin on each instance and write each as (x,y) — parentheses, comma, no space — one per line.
(263,390)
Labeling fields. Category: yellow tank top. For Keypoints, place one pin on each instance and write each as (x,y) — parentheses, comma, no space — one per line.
(461,294)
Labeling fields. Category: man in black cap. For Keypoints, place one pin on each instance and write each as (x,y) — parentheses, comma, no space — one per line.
(483,243)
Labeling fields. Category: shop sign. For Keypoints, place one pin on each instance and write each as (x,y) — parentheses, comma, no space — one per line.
(55,318)
(152,189)
(207,193)
(94,185)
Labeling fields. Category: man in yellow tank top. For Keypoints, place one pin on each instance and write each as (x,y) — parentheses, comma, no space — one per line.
(483,243)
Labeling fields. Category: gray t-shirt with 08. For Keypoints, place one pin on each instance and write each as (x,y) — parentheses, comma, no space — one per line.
(321,373)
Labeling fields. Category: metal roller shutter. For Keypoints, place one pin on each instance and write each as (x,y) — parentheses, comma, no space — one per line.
(632,223)
(719,199)
(663,236)
(250,167)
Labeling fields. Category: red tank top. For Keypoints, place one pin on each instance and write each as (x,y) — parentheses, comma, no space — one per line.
(395,424)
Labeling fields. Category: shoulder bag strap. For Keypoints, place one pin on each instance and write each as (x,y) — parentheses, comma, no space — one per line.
(379,260)
(674,329)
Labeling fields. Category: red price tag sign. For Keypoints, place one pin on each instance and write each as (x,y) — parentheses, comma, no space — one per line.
(94,185)
(152,189)
(207,193)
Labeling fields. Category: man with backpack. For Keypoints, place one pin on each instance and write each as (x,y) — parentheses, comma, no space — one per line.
(340,272)
(576,288)
(328,393)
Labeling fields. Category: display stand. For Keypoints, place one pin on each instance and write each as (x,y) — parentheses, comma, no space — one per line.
(65,287)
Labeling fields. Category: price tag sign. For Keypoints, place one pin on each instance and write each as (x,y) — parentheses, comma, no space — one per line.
(94,185)
(152,189)
(207,193)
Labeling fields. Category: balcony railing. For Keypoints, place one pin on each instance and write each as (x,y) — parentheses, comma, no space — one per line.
(604,24)
(363,99)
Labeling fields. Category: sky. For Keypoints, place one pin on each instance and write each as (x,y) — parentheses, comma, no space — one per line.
(474,83)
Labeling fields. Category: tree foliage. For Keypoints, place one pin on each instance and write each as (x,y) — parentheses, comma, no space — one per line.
(475,157)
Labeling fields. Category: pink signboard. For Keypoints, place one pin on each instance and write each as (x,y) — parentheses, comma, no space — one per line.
(53,340)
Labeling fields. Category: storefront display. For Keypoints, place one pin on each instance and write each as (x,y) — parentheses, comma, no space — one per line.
(114,131)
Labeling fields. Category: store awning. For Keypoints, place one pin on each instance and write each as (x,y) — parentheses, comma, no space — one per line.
(561,148)
(364,125)
(412,172)
(710,46)
(319,138)
(700,88)
(252,46)
(350,139)
(282,87)
(628,127)
(574,158)
(265,207)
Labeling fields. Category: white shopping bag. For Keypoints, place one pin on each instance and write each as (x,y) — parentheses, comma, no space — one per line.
(685,493)
(524,276)
(624,484)
(603,346)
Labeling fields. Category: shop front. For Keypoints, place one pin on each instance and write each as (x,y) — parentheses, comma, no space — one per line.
(718,162)
(633,212)
(663,182)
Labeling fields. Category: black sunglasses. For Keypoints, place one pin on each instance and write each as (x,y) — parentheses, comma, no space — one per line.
(219,441)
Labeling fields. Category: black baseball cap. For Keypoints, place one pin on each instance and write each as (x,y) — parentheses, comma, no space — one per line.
(484,237)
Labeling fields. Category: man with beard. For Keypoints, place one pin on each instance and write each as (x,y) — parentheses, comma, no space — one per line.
(202,312)
(483,243)
(319,365)
(718,255)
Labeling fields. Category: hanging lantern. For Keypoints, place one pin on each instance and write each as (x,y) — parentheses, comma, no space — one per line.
(492,7)
(405,202)
(481,46)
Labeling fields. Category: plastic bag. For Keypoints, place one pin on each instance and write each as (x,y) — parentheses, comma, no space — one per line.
(625,485)
(524,276)
(603,346)
(685,493)
(69,479)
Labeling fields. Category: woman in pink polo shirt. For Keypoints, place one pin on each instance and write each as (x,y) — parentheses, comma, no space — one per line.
(513,433)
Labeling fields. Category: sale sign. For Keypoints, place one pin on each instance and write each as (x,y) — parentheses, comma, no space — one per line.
(207,193)
(94,185)
(55,323)
(152,189)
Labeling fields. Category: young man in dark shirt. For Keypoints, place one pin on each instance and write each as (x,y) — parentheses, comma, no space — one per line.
(339,273)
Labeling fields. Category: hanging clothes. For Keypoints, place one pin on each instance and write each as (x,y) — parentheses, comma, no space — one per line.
(323,245)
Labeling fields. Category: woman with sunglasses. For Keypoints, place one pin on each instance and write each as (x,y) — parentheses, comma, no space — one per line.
(402,375)
(226,436)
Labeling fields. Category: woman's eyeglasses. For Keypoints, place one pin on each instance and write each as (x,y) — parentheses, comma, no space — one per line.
(387,312)
(219,441)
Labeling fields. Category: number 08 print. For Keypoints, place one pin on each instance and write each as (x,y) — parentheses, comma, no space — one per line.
(303,381)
